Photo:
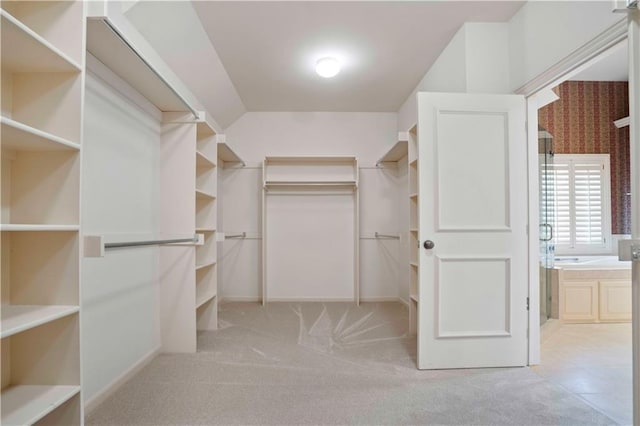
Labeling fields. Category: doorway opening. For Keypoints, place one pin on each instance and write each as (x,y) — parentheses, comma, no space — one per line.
(584,209)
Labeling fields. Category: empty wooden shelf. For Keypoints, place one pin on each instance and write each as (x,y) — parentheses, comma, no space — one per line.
(397,152)
(21,137)
(23,50)
(27,404)
(18,318)
(226,153)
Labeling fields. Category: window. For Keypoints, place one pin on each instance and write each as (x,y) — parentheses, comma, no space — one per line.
(575,193)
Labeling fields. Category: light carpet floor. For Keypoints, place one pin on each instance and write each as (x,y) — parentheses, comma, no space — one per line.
(329,363)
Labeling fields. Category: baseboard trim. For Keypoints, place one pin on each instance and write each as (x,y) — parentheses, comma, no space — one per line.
(240,299)
(362,299)
(379,299)
(112,387)
(310,299)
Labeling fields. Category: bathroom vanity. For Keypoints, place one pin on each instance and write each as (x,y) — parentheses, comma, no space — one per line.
(591,289)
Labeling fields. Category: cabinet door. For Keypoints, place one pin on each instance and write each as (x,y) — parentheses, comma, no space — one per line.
(615,300)
(579,301)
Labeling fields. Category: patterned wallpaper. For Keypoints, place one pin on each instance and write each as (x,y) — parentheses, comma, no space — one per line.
(581,122)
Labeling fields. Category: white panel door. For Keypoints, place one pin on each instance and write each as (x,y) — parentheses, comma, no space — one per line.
(472,309)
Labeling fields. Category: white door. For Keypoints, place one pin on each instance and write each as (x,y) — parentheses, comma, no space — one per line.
(472,308)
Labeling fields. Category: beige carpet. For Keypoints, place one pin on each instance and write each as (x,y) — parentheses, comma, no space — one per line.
(329,363)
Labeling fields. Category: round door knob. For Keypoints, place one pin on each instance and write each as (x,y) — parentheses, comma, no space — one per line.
(428,244)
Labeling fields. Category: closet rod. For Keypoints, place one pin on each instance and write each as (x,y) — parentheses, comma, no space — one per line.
(228,237)
(390,237)
(121,36)
(193,239)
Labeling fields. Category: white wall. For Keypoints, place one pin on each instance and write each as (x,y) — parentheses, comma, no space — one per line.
(476,60)
(120,195)
(500,58)
(448,74)
(367,135)
(543,33)
(256,135)
(487,58)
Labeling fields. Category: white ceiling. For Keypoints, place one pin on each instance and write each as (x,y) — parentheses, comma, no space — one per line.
(269,49)
(612,67)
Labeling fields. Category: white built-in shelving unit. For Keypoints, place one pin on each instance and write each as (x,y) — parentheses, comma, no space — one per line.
(304,176)
(414,226)
(188,296)
(406,149)
(42,83)
(188,189)
(190,156)
(206,186)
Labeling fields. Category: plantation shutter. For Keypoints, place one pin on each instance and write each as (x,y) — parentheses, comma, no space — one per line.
(575,193)
(589,190)
(559,197)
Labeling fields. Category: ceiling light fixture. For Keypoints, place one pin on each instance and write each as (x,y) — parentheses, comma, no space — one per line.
(327,67)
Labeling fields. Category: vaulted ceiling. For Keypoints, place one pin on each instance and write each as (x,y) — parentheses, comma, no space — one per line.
(242,56)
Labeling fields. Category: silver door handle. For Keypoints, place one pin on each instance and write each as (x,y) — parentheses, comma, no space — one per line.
(428,244)
(550,228)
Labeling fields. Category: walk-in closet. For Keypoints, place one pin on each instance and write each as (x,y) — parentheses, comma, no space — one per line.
(301,212)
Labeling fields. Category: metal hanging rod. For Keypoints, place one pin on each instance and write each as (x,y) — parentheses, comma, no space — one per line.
(389,237)
(228,237)
(193,239)
(124,40)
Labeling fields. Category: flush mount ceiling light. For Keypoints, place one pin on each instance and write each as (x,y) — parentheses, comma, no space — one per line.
(327,67)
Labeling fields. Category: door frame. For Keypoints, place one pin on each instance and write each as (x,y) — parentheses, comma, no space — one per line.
(536,91)
(628,28)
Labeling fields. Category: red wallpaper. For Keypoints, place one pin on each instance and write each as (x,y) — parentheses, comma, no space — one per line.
(581,122)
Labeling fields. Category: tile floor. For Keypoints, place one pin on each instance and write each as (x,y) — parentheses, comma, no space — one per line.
(592,361)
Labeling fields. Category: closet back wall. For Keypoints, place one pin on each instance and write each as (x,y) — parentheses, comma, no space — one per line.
(120,195)
(258,134)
